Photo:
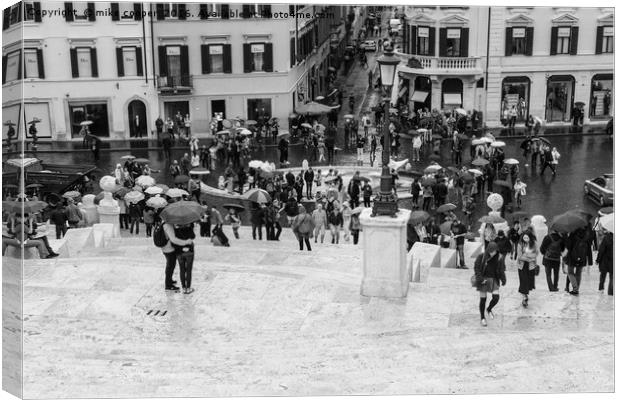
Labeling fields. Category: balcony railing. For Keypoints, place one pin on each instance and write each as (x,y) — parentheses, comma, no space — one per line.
(180,82)
(449,63)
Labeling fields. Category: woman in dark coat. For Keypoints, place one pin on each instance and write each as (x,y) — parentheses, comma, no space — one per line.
(489,273)
(605,261)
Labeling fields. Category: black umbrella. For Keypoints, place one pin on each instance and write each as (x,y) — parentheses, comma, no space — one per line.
(567,222)
(28,207)
(34,186)
(361,178)
(237,207)
(517,215)
(468,178)
(446,207)
(453,169)
(502,183)
(542,140)
(434,157)
(182,212)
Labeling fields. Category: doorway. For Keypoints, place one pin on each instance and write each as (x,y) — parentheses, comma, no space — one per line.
(218,109)
(172,108)
(136,112)
(560,96)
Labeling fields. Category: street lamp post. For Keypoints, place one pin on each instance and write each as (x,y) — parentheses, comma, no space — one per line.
(386,202)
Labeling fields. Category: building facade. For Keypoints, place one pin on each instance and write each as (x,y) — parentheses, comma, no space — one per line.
(542,61)
(123,65)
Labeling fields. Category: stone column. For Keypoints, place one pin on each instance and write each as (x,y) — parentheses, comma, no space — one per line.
(108,208)
(385,255)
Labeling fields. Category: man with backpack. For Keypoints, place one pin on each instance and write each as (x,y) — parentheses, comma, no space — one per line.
(552,248)
(576,259)
(303,226)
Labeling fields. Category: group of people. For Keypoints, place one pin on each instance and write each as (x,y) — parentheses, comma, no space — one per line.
(571,251)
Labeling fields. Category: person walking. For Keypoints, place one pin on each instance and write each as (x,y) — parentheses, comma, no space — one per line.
(354,227)
(417,145)
(576,259)
(527,265)
(361,142)
(416,189)
(605,261)
(489,234)
(148,216)
(184,253)
(503,246)
(303,226)
(134,216)
(551,248)
(171,256)
(519,188)
(258,220)
(489,274)
(205,221)
(427,197)
(309,179)
(74,215)
(235,222)
(514,235)
(366,194)
(283,147)
(335,221)
(459,231)
(276,210)
(320,222)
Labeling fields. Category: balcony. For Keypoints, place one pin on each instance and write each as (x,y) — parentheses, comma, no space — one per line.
(181,84)
(443,65)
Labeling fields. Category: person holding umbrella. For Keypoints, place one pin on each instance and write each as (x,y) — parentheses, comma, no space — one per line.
(258,220)
(519,188)
(527,265)
(459,231)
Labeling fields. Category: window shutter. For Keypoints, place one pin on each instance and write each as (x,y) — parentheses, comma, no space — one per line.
(268,62)
(74,64)
(508,48)
(443,38)
(247,58)
(554,41)
(599,39)
(40,63)
(37,11)
(292,52)
(227,59)
(245,11)
(406,38)
(6,18)
(206,59)
(464,50)
(93,62)
(119,61)
(225,11)
(159,10)
(184,61)
(137,11)
(182,11)
(529,40)
(115,12)
(266,11)
(413,39)
(68,11)
(91,11)
(139,66)
(163,61)
(20,65)
(431,42)
(204,11)
(4,59)
(574,39)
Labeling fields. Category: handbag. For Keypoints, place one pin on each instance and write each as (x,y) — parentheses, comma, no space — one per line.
(475,282)
(536,270)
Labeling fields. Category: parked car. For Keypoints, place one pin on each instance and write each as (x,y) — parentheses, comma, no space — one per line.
(369,45)
(601,189)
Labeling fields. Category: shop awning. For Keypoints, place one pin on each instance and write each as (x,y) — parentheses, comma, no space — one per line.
(452,99)
(419,96)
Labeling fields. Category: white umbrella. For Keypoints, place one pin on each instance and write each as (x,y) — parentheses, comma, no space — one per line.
(174,192)
(461,111)
(134,197)
(511,161)
(145,181)
(433,167)
(154,190)
(398,164)
(255,164)
(607,222)
(498,143)
(86,123)
(306,125)
(199,171)
(476,142)
(475,171)
(245,132)
(156,202)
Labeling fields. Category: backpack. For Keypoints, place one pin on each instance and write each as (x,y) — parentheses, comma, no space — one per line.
(159,236)
(579,253)
(306,224)
(554,251)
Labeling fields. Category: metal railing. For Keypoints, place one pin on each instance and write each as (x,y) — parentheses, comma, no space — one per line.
(174,82)
(448,62)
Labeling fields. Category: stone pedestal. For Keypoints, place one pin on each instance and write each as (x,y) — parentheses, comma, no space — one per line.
(89,210)
(385,255)
(109,211)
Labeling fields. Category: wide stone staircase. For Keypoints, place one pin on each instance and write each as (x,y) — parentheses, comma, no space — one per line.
(268,319)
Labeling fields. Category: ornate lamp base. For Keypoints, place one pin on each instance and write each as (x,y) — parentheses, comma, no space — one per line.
(385,204)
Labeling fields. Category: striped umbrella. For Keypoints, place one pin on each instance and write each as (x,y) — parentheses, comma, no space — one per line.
(258,196)
(182,212)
